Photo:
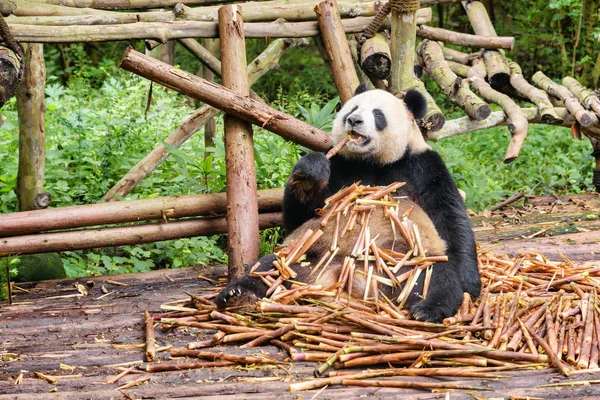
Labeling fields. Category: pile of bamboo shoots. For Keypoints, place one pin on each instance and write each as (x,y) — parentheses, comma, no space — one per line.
(533,313)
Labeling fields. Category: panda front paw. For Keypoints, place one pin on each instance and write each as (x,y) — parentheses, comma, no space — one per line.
(429,311)
(310,171)
(236,294)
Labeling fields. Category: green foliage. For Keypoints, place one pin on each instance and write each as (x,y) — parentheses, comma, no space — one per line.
(13,264)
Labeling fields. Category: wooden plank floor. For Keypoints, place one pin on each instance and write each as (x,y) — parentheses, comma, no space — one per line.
(46,331)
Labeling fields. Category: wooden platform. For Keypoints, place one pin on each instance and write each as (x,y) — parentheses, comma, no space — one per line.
(53,330)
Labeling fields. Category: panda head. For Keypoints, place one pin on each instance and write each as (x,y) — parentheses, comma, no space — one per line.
(381,126)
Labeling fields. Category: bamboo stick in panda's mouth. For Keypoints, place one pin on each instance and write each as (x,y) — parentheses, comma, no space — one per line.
(338,147)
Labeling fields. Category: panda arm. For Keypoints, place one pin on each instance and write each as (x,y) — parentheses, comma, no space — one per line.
(305,190)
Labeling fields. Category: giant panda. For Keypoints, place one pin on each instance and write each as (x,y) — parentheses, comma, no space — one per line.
(386,146)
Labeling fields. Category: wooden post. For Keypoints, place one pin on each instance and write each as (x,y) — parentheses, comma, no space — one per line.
(242,207)
(210,127)
(403,40)
(32,129)
(338,50)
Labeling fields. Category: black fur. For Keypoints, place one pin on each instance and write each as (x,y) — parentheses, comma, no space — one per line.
(380,120)
(415,103)
(361,88)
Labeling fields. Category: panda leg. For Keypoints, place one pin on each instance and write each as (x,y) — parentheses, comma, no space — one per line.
(246,290)
(444,296)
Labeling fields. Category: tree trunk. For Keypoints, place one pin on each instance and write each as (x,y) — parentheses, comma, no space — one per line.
(242,207)
(32,128)
(338,50)
(210,127)
(403,44)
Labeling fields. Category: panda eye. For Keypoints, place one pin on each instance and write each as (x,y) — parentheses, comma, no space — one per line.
(380,121)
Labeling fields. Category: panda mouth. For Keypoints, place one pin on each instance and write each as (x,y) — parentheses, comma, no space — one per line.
(357,138)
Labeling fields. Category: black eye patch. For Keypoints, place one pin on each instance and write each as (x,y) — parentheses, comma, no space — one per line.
(351,111)
(380,121)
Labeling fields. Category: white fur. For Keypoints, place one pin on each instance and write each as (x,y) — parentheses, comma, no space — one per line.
(382,147)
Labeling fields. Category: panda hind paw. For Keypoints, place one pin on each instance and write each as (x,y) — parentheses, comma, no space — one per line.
(431,311)
(235,295)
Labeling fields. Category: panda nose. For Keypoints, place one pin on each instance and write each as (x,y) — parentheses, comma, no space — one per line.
(354,120)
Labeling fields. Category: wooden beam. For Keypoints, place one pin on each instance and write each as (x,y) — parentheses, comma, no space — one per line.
(220,97)
(242,207)
(32,128)
(159,208)
(122,236)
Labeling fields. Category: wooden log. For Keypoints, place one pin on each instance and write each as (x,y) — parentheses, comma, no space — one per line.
(517,123)
(121,236)
(266,61)
(250,110)
(403,43)
(172,30)
(124,4)
(10,65)
(159,208)
(210,127)
(454,87)
(536,96)
(32,128)
(434,119)
(459,69)
(375,57)
(495,63)
(455,55)
(242,208)
(584,117)
(338,50)
(463,125)
(465,39)
(585,96)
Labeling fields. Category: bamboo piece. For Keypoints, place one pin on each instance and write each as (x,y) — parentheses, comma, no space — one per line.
(266,61)
(495,63)
(242,206)
(220,97)
(585,96)
(517,123)
(121,236)
(150,340)
(455,88)
(32,128)
(537,97)
(464,39)
(338,51)
(403,40)
(584,117)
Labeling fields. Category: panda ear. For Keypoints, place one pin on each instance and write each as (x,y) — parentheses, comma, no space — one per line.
(415,103)
(361,89)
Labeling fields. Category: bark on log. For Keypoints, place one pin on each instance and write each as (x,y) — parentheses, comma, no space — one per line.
(210,127)
(464,39)
(122,236)
(403,43)
(454,87)
(536,96)
(495,62)
(242,207)
(32,127)
(434,119)
(9,74)
(459,69)
(261,11)
(67,20)
(172,30)
(584,117)
(250,110)
(124,4)
(585,96)
(458,56)
(517,123)
(266,61)
(338,50)
(375,58)
(160,208)
(464,125)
